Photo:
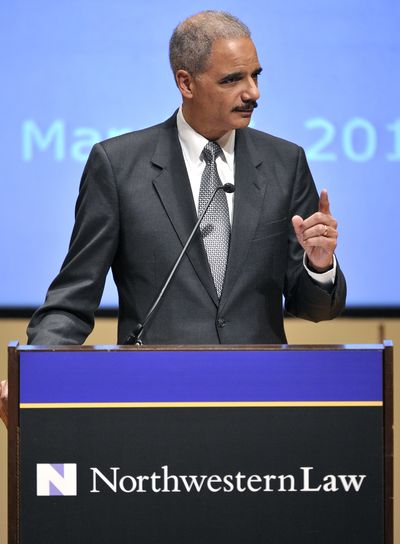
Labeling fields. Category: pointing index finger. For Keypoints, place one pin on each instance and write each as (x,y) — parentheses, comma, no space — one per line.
(324,202)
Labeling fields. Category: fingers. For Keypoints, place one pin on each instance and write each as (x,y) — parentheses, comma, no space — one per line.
(316,226)
(320,230)
(4,401)
(324,202)
(319,218)
(318,234)
(297,223)
(328,244)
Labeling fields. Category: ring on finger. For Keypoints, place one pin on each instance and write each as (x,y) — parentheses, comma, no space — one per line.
(325,233)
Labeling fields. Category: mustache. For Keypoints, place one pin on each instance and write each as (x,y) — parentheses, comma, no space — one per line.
(247,106)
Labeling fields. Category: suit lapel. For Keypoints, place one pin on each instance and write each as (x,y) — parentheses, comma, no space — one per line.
(249,192)
(173,188)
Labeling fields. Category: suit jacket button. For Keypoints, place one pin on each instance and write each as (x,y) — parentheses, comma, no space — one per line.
(221,322)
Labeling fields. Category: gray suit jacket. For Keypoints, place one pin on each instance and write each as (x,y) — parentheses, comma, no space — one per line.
(135,211)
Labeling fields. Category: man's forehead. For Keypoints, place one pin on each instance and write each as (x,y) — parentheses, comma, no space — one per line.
(234,53)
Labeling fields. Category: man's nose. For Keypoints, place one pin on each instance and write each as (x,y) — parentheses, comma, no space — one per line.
(251,92)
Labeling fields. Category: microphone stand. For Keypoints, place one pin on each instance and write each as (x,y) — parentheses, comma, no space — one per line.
(135,337)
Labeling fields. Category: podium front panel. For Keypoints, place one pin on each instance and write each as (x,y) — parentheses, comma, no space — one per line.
(195,446)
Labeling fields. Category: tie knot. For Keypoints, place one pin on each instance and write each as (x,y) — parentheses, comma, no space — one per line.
(210,152)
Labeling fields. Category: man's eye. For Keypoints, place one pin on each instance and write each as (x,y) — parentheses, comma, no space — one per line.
(230,80)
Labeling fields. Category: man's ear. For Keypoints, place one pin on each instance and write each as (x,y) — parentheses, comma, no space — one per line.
(185,82)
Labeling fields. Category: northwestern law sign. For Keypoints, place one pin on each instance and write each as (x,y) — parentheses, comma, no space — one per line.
(60,480)
(226,446)
(165,482)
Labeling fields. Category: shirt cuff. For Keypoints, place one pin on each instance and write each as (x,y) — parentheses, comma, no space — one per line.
(324,278)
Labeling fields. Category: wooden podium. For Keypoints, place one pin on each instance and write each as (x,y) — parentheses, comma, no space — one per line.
(194,445)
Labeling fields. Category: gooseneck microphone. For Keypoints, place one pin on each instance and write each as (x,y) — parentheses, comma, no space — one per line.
(134,337)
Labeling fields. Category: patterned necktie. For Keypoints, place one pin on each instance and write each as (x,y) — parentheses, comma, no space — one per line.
(215,227)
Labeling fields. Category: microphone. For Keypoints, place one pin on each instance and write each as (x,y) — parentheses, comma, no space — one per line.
(134,337)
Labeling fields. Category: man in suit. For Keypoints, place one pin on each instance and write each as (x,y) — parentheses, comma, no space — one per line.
(139,199)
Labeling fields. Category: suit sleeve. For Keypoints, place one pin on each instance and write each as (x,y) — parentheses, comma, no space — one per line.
(67,315)
(303,296)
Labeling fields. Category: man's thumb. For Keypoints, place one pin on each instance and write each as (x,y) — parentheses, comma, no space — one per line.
(297,223)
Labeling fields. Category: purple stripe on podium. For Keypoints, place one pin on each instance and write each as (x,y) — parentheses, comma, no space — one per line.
(200,376)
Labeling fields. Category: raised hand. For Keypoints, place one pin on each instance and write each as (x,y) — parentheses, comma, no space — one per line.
(317,235)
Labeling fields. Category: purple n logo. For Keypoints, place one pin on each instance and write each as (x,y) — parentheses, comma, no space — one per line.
(56,479)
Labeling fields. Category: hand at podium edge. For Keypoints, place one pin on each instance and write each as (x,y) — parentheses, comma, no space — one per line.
(4,401)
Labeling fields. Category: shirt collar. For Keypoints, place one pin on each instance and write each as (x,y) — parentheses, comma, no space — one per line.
(193,143)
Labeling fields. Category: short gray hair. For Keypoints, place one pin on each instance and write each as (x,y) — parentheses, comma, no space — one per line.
(192,40)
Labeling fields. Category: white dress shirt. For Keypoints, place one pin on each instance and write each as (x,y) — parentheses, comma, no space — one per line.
(192,144)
